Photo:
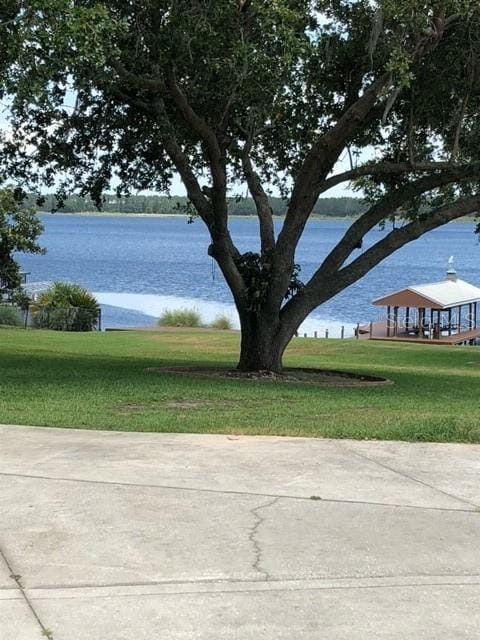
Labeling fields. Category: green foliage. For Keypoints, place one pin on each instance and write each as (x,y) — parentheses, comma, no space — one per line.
(256,270)
(221,322)
(180,318)
(9,316)
(66,307)
(66,295)
(20,298)
(286,70)
(20,229)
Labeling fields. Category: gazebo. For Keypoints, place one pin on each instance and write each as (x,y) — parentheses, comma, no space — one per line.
(438,313)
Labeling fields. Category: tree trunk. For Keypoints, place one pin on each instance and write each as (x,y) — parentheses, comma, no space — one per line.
(261,348)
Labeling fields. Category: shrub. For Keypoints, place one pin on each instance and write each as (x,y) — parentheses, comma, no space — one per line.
(180,318)
(9,316)
(66,307)
(222,322)
(20,298)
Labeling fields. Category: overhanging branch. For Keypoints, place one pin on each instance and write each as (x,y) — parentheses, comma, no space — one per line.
(399,237)
(384,169)
(262,204)
(387,206)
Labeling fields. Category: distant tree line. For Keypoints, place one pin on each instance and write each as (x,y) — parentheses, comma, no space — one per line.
(335,207)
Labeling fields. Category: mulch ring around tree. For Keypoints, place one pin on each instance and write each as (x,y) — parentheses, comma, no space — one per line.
(319,377)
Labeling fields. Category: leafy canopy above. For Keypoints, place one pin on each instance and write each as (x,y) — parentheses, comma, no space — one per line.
(87,77)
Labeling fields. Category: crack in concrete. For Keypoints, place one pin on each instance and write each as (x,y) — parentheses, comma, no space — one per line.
(17,579)
(285,589)
(232,492)
(257,564)
(412,478)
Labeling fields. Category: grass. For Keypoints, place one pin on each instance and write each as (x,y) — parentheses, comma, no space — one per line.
(97,381)
(180,318)
(222,322)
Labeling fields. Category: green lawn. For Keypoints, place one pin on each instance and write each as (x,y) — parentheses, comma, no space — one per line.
(98,381)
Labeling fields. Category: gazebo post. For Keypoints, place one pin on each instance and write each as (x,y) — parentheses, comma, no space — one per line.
(459,323)
(407,319)
(395,321)
(421,319)
(431,325)
(388,321)
(450,321)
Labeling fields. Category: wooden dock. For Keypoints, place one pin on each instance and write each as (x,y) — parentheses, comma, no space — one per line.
(378,331)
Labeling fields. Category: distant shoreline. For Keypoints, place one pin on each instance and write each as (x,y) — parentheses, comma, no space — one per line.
(182,216)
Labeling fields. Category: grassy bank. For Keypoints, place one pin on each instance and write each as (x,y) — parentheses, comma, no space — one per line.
(98,381)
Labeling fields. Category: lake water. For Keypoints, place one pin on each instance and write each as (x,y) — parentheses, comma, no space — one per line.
(139,266)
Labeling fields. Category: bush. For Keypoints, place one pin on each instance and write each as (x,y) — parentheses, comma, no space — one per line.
(20,298)
(180,318)
(66,307)
(222,322)
(10,317)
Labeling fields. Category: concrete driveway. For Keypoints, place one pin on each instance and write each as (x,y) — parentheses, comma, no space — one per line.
(117,536)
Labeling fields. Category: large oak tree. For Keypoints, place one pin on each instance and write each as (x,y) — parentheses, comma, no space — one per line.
(265,93)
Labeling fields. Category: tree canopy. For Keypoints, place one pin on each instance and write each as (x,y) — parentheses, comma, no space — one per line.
(20,229)
(270,94)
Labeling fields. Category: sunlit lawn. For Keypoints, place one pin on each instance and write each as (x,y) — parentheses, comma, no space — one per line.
(98,381)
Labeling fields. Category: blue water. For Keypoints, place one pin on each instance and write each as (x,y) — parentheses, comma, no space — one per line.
(155,263)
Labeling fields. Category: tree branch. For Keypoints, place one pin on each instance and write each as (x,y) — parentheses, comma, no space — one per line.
(198,124)
(383,169)
(214,213)
(262,204)
(354,236)
(319,162)
(308,184)
(216,156)
(397,238)
(155,108)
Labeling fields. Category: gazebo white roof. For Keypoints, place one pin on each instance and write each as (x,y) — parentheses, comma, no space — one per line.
(440,295)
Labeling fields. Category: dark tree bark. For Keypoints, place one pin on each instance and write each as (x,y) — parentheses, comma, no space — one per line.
(260,348)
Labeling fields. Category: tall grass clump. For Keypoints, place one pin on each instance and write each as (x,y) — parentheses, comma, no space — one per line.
(10,317)
(221,322)
(180,318)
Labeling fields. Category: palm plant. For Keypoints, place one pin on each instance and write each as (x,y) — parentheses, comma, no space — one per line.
(66,307)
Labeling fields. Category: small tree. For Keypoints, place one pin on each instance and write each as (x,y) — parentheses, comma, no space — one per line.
(19,231)
(262,93)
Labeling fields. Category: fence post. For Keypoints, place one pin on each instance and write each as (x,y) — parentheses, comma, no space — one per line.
(357,331)
(315,335)
(371,329)
(326,333)
(99,319)
(342,334)
(26,316)
(305,335)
